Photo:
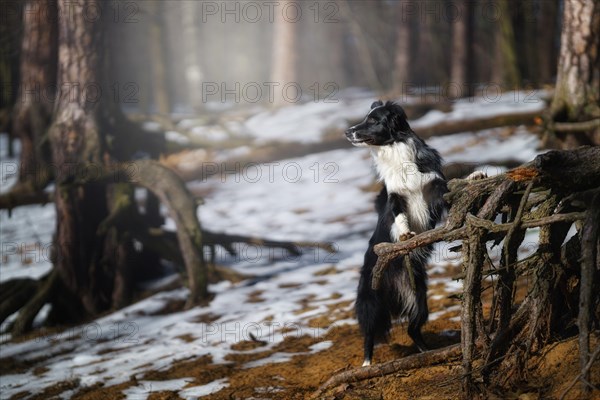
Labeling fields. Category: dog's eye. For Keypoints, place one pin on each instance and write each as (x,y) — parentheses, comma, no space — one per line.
(371,120)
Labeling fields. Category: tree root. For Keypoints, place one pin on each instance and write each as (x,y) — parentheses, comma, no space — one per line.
(14,294)
(173,193)
(27,314)
(418,360)
(552,191)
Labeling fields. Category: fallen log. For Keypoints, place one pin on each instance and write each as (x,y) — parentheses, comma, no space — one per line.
(449,127)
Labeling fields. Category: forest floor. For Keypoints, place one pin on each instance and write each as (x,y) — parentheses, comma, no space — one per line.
(278,326)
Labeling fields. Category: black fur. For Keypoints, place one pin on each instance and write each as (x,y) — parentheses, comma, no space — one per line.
(386,125)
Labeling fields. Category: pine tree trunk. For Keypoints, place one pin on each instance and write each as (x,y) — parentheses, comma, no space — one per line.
(547,30)
(157,54)
(77,144)
(577,94)
(33,107)
(402,71)
(283,70)
(462,67)
(458,72)
(192,71)
(505,70)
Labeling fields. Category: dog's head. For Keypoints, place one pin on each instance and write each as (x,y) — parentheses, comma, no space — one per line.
(384,124)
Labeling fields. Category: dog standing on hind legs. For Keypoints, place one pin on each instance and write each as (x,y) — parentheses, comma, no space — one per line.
(410,202)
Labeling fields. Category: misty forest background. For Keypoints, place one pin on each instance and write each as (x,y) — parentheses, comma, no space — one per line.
(162,52)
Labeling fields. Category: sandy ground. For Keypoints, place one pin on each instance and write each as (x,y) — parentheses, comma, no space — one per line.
(298,378)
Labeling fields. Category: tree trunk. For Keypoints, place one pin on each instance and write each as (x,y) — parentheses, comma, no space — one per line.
(192,71)
(425,73)
(10,30)
(33,107)
(505,71)
(577,94)
(77,144)
(462,63)
(402,71)
(283,71)
(364,54)
(157,55)
(458,72)
(547,31)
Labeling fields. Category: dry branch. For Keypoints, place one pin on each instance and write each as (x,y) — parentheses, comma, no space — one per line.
(471,303)
(389,251)
(418,360)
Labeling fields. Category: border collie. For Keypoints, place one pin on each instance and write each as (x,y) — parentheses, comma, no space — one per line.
(410,202)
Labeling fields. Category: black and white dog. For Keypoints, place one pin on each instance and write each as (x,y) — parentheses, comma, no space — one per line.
(410,202)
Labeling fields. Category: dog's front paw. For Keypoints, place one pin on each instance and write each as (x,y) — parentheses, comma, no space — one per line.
(476,175)
(406,236)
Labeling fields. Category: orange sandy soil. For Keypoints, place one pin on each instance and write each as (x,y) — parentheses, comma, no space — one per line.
(549,376)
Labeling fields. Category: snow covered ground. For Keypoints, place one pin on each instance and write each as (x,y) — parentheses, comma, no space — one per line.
(318,197)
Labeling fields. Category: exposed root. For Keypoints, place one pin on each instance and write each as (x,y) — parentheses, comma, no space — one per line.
(418,360)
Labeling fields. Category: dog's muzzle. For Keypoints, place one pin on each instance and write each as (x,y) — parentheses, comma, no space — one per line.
(352,137)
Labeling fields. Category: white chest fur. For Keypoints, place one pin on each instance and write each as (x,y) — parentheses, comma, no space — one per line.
(397,168)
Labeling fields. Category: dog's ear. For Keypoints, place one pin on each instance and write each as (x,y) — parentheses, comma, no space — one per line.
(398,120)
(377,103)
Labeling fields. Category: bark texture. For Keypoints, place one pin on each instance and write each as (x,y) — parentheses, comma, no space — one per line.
(34,103)
(578,82)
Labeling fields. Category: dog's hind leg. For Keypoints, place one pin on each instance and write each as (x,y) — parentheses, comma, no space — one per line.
(417,319)
(374,321)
